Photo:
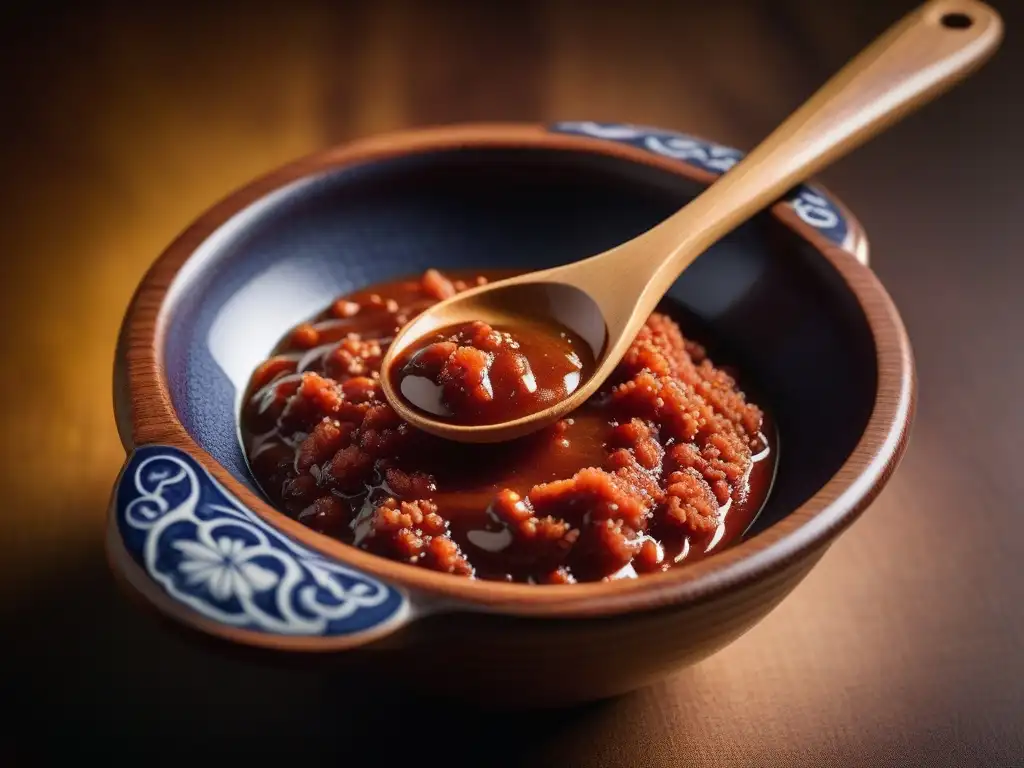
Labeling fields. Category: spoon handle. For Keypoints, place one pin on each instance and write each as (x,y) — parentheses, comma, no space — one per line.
(919,57)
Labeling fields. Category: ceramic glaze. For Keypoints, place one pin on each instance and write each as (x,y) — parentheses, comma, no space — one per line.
(331,232)
(222,561)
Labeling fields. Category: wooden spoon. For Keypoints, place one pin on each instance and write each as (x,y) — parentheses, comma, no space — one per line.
(606,298)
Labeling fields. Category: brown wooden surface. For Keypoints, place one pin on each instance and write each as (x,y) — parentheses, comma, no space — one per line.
(120,124)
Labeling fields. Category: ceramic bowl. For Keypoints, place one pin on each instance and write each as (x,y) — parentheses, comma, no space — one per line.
(789,294)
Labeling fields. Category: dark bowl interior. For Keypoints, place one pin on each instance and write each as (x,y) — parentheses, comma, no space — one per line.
(775,307)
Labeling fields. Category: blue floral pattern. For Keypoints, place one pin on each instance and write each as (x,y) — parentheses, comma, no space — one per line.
(208,552)
(810,205)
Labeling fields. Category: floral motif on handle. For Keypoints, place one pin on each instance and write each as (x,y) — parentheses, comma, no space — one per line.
(810,205)
(218,558)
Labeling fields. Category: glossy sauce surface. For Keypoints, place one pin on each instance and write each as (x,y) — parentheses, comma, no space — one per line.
(473,373)
(664,465)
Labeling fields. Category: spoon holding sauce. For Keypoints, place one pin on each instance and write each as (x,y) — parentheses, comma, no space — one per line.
(502,360)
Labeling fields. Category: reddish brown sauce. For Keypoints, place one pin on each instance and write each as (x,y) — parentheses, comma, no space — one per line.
(666,463)
(473,373)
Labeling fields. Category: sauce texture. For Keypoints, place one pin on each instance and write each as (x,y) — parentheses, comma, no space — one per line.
(475,374)
(664,465)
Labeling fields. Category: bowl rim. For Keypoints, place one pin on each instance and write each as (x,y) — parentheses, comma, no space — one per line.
(145,413)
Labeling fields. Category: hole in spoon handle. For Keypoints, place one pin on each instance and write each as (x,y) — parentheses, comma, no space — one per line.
(956,20)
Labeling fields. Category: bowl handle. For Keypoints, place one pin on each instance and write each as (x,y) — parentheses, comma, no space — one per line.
(811,205)
(188,546)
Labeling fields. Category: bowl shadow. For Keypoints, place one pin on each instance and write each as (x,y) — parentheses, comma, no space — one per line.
(88,668)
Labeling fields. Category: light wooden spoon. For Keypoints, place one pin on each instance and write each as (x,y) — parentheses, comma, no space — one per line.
(606,298)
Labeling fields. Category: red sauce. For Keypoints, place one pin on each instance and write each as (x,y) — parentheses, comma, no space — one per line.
(474,374)
(667,463)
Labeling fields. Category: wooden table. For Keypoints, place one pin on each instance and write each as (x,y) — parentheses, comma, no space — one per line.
(120,124)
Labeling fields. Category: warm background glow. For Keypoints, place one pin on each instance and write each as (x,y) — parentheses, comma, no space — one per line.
(122,122)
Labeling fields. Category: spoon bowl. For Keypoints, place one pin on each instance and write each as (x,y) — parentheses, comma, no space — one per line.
(504,303)
(612,294)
